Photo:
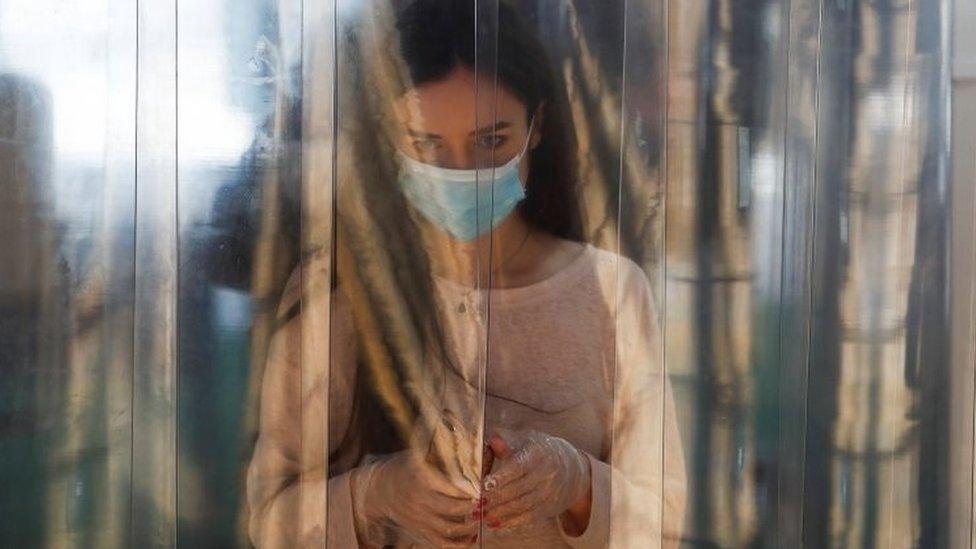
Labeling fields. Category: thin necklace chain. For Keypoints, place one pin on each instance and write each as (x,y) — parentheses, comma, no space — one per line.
(528,233)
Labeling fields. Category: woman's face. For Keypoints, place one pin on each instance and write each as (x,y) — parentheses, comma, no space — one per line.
(464,122)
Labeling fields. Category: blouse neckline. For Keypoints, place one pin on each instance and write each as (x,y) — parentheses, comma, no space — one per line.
(522,294)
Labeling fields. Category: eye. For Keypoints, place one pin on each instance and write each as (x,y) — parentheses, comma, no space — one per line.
(490,141)
(426,145)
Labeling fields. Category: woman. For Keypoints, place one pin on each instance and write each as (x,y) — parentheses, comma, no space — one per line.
(557,361)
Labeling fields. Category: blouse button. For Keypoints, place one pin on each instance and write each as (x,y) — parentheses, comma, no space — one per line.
(461,308)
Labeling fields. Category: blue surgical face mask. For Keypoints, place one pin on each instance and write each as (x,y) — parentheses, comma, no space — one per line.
(465,203)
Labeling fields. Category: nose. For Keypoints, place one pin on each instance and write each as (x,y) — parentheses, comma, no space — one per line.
(458,157)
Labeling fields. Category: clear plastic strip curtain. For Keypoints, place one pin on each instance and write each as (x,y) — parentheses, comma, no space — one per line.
(218,296)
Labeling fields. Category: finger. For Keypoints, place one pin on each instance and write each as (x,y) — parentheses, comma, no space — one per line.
(454,509)
(451,507)
(439,483)
(506,441)
(514,503)
(520,519)
(513,490)
(447,528)
(505,476)
(435,530)
(499,446)
(487,460)
(512,469)
(434,505)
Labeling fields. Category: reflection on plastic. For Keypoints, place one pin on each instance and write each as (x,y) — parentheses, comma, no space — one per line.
(483,329)
(719,316)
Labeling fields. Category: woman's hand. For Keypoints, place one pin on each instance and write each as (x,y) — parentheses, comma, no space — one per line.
(405,494)
(539,477)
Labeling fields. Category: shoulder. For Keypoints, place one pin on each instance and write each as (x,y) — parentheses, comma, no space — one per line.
(617,273)
(309,305)
(308,283)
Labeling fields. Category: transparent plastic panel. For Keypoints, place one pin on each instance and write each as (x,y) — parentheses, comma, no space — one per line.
(799,183)
(407,326)
(963,291)
(238,93)
(724,254)
(877,439)
(286,201)
(643,234)
(573,420)
(456,273)
(154,397)
(67,184)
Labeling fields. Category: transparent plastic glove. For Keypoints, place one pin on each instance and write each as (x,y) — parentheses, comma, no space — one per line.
(404,497)
(537,477)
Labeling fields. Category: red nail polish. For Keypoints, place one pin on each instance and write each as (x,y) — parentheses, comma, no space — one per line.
(474,538)
(494,524)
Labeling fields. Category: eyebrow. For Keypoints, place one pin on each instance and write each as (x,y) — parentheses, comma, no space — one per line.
(492,127)
(426,135)
(485,129)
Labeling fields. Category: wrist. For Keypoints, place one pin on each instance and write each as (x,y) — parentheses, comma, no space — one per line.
(364,480)
(576,517)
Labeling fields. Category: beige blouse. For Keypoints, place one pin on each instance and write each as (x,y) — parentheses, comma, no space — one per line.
(577,355)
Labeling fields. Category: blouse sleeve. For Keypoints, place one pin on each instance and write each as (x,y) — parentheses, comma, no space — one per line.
(292,502)
(639,493)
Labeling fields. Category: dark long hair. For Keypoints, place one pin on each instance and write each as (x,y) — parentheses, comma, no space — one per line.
(438,36)
(432,38)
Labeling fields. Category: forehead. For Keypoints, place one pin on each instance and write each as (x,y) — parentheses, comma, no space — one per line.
(457,104)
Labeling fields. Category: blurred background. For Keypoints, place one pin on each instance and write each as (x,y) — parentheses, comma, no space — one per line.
(796,177)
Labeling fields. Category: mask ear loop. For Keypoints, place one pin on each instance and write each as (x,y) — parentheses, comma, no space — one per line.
(528,138)
(525,148)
